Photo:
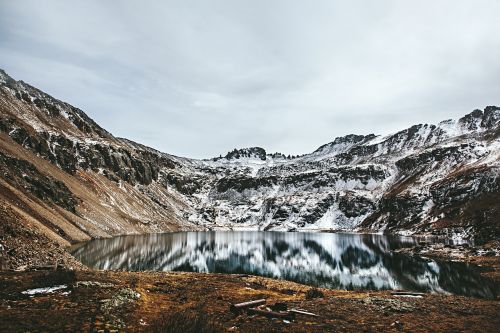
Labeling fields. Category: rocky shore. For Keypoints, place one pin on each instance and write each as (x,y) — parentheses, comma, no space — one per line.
(107,301)
(36,295)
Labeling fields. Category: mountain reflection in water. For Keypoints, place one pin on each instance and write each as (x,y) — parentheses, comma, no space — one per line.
(345,261)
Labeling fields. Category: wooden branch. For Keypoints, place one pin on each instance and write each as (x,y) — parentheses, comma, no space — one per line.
(302,312)
(244,305)
(272,314)
(406,293)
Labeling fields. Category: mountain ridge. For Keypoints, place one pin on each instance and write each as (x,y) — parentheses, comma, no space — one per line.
(395,183)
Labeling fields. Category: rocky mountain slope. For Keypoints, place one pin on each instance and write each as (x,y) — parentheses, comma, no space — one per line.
(64,176)
(74,180)
(440,178)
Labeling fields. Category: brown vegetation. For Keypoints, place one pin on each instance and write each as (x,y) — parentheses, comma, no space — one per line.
(91,301)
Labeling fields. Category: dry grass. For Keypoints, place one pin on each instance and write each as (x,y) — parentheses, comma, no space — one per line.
(187,322)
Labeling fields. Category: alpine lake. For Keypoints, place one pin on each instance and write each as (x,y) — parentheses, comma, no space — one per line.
(327,260)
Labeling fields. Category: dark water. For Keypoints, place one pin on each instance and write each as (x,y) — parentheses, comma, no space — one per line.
(345,261)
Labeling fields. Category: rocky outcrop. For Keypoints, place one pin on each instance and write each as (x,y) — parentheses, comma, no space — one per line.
(254,152)
(25,176)
(67,137)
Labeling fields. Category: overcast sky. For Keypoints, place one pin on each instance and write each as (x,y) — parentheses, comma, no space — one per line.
(199,78)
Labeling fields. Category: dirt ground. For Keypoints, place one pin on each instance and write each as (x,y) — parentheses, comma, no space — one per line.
(106,301)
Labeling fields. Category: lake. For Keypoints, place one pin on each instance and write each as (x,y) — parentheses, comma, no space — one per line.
(328,260)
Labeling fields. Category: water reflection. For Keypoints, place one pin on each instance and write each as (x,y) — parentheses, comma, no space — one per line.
(346,261)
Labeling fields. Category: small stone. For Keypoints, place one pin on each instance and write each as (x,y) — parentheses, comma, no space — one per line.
(397,324)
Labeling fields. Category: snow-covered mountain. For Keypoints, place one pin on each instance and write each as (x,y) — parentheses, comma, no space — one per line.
(441,179)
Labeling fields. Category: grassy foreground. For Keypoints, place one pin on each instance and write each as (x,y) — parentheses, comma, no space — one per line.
(107,301)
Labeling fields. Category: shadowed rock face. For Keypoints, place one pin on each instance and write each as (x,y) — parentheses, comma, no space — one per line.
(116,161)
(441,179)
(67,137)
(344,261)
(24,176)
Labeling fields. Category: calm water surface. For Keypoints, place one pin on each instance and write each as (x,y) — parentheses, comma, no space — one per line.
(345,261)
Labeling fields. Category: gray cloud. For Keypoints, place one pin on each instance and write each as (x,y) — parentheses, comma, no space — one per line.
(198,78)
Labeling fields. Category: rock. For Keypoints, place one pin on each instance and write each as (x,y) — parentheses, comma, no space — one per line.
(24,175)
(92,284)
(254,152)
(314,293)
(389,304)
(397,324)
(111,307)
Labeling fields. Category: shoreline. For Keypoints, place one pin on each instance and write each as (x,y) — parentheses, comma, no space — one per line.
(115,301)
(94,300)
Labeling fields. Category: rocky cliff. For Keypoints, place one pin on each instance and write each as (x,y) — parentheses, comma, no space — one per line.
(74,180)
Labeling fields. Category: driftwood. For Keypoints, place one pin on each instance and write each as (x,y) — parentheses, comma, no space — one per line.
(302,312)
(272,314)
(42,268)
(257,307)
(46,267)
(240,306)
(406,293)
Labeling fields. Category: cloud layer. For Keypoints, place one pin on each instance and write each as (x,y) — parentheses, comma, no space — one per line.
(198,78)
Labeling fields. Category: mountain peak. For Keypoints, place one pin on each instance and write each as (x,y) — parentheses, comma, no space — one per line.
(488,118)
(342,142)
(252,152)
(5,78)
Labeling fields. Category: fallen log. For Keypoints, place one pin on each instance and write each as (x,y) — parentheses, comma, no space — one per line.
(302,312)
(240,306)
(46,267)
(406,293)
(272,314)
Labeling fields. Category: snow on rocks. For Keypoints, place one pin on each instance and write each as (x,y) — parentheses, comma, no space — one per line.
(353,182)
(45,290)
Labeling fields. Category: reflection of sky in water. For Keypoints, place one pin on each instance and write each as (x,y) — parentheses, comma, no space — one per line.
(347,261)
